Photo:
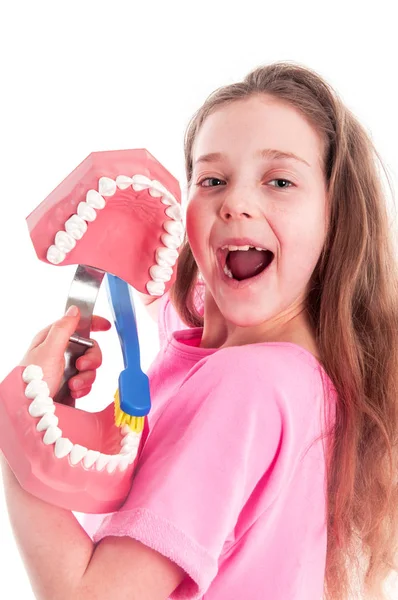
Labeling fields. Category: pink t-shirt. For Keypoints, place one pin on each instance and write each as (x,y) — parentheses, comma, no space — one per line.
(229,485)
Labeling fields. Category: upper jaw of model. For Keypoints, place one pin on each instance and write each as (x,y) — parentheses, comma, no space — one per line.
(118,212)
(126,220)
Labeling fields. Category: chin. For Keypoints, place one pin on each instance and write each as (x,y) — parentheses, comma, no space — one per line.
(243,318)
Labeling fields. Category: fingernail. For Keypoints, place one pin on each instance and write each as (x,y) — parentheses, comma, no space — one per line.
(72,311)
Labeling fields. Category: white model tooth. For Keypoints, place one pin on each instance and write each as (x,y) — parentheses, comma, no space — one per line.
(158,185)
(127,449)
(90,458)
(52,435)
(62,447)
(77,453)
(44,397)
(170,241)
(132,457)
(127,442)
(64,241)
(131,439)
(36,387)
(166,257)
(123,182)
(86,212)
(157,189)
(32,373)
(130,436)
(155,288)
(160,273)
(113,463)
(259,248)
(124,462)
(125,430)
(132,444)
(140,182)
(173,227)
(54,255)
(169,199)
(106,186)
(38,408)
(47,420)
(76,227)
(174,212)
(102,461)
(94,199)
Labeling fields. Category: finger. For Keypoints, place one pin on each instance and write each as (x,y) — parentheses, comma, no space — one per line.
(97,324)
(58,336)
(91,359)
(80,393)
(82,380)
(100,323)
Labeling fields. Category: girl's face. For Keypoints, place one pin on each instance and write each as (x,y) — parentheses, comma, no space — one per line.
(278,202)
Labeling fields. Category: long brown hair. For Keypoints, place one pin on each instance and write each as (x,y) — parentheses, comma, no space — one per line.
(352,303)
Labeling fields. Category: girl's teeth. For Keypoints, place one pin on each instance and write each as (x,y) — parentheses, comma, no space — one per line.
(228,272)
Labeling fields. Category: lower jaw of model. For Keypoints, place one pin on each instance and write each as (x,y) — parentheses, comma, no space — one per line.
(66,456)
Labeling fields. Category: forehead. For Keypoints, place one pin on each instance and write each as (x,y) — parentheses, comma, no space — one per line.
(256,123)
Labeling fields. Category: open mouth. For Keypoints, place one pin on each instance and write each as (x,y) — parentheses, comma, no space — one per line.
(118,212)
(245,262)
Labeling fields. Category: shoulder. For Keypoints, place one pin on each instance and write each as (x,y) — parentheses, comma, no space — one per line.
(273,361)
(279,371)
(285,374)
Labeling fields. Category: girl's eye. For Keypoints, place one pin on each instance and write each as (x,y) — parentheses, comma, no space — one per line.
(285,181)
(208,179)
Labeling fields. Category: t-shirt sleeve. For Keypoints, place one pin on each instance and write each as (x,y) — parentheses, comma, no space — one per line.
(214,441)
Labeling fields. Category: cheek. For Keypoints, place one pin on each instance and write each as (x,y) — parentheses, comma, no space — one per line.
(195,225)
(190,223)
(301,247)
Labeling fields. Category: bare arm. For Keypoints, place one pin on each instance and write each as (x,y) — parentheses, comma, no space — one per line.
(62,562)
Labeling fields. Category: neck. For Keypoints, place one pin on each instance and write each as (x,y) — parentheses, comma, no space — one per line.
(219,333)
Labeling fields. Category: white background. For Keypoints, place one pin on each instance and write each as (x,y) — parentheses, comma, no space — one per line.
(82,76)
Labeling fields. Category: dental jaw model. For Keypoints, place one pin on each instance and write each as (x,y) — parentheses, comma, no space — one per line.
(118,212)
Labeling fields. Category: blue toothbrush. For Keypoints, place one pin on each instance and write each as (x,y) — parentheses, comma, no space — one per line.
(132,399)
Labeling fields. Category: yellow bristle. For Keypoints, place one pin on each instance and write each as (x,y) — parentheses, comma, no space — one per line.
(136,424)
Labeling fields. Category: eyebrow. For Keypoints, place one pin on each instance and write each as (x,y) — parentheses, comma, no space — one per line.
(266,153)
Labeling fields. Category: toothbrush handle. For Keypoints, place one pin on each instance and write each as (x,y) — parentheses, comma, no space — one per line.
(122,307)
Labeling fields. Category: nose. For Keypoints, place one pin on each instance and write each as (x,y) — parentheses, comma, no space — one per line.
(238,206)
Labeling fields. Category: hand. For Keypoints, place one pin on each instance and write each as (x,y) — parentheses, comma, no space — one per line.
(47,350)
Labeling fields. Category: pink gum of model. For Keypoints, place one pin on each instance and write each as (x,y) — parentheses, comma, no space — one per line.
(122,240)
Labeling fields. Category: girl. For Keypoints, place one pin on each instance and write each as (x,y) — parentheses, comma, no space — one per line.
(235,494)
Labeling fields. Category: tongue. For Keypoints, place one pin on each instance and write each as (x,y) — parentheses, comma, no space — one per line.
(248,263)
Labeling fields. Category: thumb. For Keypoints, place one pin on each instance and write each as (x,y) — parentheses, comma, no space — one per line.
(60,332)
